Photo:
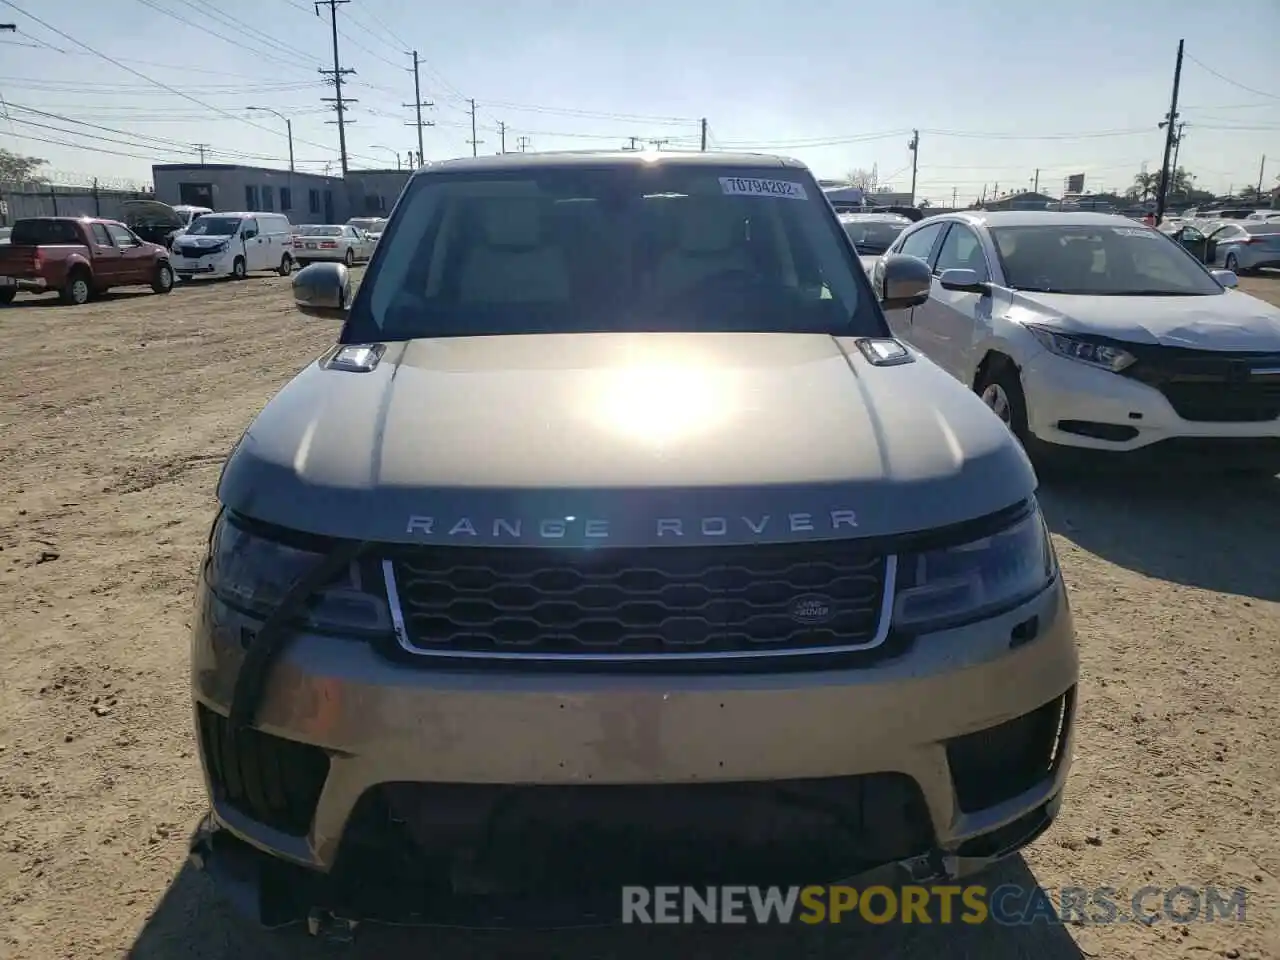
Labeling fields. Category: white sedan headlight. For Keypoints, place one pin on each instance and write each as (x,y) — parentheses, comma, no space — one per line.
(1096,354)
(948,587)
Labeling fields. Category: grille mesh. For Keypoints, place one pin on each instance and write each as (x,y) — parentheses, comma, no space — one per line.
(653,601)
(1207,387)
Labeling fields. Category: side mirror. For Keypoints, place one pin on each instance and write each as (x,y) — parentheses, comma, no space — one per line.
(322,290)
(1227,278)
(966,281)
(903,282)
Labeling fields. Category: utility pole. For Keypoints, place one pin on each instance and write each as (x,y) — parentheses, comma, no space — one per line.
(522,144)
(473,141)
(418,104)
(983,201)
(336,75)
(1170,125)
(954,191)
(634,141)
(1261,168)
(914,147)
(704,134)
(502,133)
(1036,186)
(200,149)
(1177,145)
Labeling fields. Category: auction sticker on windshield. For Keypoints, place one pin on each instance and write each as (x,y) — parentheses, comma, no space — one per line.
(753,187)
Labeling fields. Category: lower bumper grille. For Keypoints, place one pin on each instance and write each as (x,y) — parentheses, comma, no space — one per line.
(996,764)
(1211,387)
(273,781)
(641,602)
(557,840)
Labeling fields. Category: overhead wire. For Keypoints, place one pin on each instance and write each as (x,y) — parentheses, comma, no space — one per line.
(1235,83)
(300,60)
(186,96)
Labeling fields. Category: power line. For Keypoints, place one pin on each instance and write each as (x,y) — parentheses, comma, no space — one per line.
(159,83)
(1234,83)
(270,46)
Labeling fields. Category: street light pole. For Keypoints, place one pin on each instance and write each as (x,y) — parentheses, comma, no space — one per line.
(288,126)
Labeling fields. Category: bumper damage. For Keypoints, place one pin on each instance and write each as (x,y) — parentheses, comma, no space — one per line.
(273,893)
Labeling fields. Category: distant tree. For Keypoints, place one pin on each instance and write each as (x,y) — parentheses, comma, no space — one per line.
(1147,185)
(868,180)
(16,168)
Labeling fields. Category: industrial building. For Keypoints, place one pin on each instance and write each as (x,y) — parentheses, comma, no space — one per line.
(302,197)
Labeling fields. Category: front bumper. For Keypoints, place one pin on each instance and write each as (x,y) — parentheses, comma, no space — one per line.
(947,754)
(1070,404)
(208,266)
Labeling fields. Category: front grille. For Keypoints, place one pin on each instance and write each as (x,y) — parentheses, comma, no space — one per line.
(1210,387)
(1000,762)
(641,602)
(274,781)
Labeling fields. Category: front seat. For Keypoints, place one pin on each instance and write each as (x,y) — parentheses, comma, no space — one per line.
(710,240)
(510,258)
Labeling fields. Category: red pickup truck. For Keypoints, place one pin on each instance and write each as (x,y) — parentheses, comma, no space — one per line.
(78,257)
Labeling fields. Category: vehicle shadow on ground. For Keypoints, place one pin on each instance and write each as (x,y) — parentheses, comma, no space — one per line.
(51,300)
(1216,532)
(191,923)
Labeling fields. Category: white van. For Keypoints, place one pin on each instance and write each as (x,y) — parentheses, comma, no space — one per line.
(234,245)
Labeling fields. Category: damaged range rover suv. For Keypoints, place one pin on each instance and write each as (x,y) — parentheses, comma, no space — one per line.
(617,541)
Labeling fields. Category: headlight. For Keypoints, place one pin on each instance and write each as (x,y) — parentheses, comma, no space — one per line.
(253,574)
(1101,355)
(220,247)
(948,587)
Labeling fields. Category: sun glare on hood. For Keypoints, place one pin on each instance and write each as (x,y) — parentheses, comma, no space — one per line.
(668,402)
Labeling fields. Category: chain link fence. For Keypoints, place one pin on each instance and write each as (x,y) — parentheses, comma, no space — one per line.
(19,200)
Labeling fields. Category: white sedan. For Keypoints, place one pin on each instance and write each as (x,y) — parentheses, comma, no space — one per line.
(330,242)
(1090,335)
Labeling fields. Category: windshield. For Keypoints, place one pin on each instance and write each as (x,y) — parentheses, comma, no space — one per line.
(620,248)
(874,236)
(212,226)
(1092,260)
(318,231)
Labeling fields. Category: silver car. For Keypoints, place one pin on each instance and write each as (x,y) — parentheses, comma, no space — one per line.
(617,541)
(345,244)
(1244,246)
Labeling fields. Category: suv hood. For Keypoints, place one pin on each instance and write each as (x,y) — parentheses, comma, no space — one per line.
(596,438)
(1230,321)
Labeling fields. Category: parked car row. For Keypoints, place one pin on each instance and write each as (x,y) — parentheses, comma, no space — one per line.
(80,257)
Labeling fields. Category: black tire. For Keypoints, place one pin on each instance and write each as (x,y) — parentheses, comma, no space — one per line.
(6,297)
(78,289)
(999,386)
(239,270)
(1231,263)
(350,258)
(286,265)
(162,282)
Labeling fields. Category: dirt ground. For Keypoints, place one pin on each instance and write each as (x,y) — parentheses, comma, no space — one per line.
(116,417)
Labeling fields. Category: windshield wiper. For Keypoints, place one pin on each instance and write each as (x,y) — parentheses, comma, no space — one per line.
(1150,293)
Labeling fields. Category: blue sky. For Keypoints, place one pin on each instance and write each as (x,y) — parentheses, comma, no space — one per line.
(997,88)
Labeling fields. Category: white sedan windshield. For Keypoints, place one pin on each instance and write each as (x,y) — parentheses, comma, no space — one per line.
(1094,260)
